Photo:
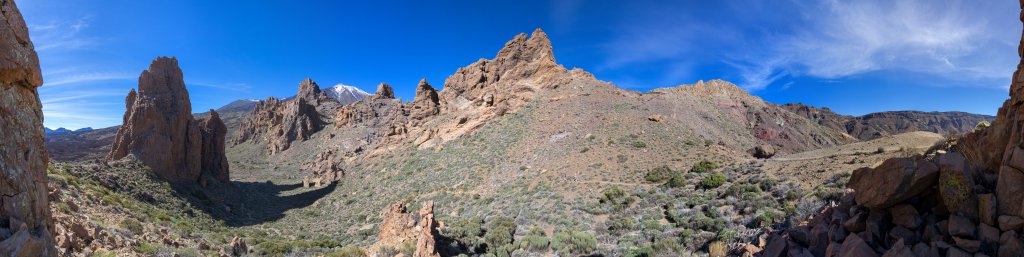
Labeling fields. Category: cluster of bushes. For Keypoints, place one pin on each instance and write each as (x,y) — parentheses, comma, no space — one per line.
(497,238)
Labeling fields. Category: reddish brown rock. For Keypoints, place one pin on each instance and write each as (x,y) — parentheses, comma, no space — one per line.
(956,185)
(160,131)
(400,227)
(280,123)
(213,133)
(893,181)
(426,103)
(522,67)
(23,157)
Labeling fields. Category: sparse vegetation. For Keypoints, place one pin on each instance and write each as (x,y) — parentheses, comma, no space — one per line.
(704,166)
(713,180)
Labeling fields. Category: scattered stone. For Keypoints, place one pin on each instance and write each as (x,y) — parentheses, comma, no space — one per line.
(961,226)
(655,118)
(1008,222)
(905,215)
(854,246)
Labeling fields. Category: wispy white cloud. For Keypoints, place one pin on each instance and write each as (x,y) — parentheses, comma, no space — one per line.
(61,35)
(233,86)
(83,78)
(952,40)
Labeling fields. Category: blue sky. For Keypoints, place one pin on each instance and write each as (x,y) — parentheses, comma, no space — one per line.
(853,56)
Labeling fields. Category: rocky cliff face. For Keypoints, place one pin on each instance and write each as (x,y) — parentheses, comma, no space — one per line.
(280,123)
(875,125)
(160,131)
(26,228)
(965,198)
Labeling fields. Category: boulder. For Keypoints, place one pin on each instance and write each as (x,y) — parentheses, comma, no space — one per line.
(956,185)
(854,246)
(899,249)
(961,226)
(905,215)
(23,156)
(764,151)
(1007,222)
(894,181)
(399,226)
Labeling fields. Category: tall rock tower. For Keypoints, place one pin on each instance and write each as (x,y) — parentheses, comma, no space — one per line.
(24,207)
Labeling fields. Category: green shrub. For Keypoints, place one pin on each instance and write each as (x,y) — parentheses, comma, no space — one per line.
(568,243)
(387,251)
(621,224)
(132,225)
(677,180)
(639,144)
(466,231)
(617,198)
(500,235)
(645,251)
(659,174)
(727,235)
(714,180)
(703,166)
(668,245)
(348,252)
(146,248)
(535,240)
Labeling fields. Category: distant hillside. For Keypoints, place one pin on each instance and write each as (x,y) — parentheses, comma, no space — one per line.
(875,125)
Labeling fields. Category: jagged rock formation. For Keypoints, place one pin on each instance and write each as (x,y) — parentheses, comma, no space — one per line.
(507,82)
(426,103)
(875,125)
(280,123)
(965,198)
(160,131)
(214,135)
(399,226)
(26,228)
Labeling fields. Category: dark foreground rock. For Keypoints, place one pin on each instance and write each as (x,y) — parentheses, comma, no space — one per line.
(26,226)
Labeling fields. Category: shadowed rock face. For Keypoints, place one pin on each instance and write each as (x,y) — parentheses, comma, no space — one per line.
(25,223)
(160,131)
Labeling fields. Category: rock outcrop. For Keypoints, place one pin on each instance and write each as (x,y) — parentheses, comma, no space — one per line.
(26,226)
(280,123)
(160,131)
(965,198)
(507,82)
(214,135)
(400,227)
(875,125)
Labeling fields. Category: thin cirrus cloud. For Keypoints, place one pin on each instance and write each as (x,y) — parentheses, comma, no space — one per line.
(955,41)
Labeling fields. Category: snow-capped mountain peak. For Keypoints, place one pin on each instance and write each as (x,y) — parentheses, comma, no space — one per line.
(346,94)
